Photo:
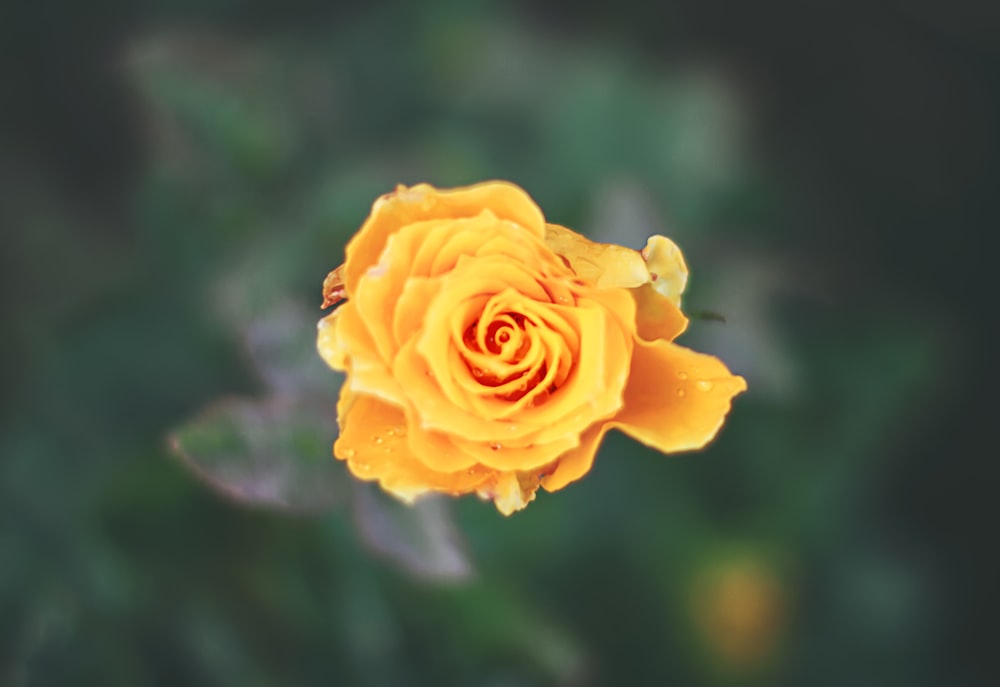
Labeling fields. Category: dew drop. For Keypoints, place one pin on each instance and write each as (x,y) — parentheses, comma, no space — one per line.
(391,432)
(680,393)
(496,447)
(704,385)
(378,440)
(362,467)
(350,453)
(682,375)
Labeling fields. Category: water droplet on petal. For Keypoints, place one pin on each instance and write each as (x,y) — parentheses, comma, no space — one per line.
(378,440)
(350,453)
(704,385)
(362,467)
(496,447)
(400,431)
(680,393)
(682,375)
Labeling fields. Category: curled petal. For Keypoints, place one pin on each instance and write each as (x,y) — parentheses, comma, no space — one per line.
(668,271)
(656,316)
(576,462)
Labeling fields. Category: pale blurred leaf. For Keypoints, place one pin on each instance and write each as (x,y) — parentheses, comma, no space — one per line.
(422,538)
(282,348)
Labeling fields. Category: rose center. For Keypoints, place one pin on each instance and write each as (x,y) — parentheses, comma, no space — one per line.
(508,343)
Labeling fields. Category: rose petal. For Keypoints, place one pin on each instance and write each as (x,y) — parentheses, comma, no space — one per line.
(676,399)
(576,462)
(368,374)
(657,317)
(374,443)
(410,311)
(423,202)
(437,450)
(470,438)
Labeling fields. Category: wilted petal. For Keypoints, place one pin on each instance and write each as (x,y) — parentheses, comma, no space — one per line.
(511,491)
(604,265)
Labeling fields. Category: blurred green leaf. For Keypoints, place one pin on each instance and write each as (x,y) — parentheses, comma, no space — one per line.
(274,452)
(212,102)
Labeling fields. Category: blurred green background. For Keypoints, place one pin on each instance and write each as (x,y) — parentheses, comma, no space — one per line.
(177,179)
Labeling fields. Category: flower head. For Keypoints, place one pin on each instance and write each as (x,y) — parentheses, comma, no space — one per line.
(487,351)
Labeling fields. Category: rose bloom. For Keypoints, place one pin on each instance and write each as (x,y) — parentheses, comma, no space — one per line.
(487,351)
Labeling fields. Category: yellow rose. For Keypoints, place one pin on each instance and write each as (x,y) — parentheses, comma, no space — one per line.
(487,351)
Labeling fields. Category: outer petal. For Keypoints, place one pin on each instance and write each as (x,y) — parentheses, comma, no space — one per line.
(576,463)
(328,344)
(676,399)
(422,202)
(373,443)
(656,316)
(370,374)
(604,265)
